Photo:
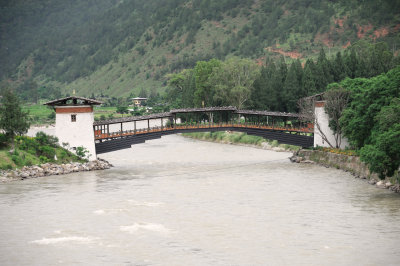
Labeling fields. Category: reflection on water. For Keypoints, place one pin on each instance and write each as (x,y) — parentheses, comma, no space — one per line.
(180,202)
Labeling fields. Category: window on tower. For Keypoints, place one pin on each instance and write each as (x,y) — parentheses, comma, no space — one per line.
(73,118)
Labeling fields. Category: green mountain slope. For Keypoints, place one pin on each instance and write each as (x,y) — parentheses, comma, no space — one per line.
(116,48)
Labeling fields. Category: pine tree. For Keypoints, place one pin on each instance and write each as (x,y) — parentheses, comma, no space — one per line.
(277,83)
(352,64)
(290,90)
(308,82)
(324,65)
(143,93)
(339,69)
(13,121)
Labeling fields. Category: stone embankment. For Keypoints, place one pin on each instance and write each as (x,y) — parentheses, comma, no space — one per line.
(347,163)
(47,169)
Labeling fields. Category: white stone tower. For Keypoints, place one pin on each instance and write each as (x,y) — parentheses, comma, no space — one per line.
(322,119)
(74,122)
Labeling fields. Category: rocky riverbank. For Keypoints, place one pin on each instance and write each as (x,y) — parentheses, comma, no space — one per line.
(347,163)
(47,169)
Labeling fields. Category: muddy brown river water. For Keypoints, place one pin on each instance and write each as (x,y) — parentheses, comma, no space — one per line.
(176,201)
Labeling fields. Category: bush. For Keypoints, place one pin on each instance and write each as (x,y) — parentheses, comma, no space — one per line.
(63,154)
(45,139)
(43,159)
(16,159)
(47,151)
(82,152)
(3,140)
(6,167)
(274,143)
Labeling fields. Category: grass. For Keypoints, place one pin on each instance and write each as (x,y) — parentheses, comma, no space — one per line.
(34,151)
(5,160)
(39,114)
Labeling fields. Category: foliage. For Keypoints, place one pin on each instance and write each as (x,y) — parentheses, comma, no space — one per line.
(44,139)
(233,82)
(34,150)
(371,121)
(39,113)
(3,140)
(336,100)
(82,152)
(338,151)
(13,120)
(122,109)
(383,154)
(203,96)
(279,86)
(367,98)
(43,49)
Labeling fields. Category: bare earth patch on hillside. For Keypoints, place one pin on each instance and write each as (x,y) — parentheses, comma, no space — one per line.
(292,54)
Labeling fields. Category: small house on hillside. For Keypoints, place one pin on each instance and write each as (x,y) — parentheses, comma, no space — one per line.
(139,102)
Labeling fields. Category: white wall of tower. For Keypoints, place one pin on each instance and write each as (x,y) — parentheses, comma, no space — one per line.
(322,119)
(78,133)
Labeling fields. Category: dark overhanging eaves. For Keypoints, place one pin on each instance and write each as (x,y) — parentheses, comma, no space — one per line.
(74,99)
(205,109)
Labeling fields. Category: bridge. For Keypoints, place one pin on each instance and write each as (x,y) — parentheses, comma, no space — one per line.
(122,133)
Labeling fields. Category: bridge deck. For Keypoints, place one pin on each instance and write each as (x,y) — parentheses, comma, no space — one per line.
(100,135)
(286,128)
(123,140)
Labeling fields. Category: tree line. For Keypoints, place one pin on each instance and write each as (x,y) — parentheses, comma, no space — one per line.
(277,85)
(371,121)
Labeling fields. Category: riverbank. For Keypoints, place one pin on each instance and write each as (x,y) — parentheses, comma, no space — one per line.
(237,138)
(48,169)
(347,163)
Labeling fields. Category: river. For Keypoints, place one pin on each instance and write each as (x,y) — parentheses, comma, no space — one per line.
(176,201)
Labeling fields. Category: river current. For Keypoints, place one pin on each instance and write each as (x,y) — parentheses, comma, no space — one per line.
(176,201)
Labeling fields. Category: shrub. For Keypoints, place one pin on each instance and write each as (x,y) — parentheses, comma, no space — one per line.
(63,154)
(82,152)
(45,139)
(43,159)
(3,140)
(6,167)
(16,159)
(47,151)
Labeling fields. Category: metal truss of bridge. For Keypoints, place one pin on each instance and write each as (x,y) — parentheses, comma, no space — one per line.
(121,133)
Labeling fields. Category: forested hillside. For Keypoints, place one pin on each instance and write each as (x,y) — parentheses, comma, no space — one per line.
(117,48)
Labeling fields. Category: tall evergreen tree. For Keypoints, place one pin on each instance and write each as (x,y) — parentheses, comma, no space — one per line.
(13,121)
(308,83)
(352,63)
(325,67)
(264,97)
(290,90)
(339,68)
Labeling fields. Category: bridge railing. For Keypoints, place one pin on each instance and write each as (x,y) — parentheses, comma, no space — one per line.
(250,125)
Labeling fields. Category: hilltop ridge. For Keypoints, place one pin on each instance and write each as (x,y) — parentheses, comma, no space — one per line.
(116,48)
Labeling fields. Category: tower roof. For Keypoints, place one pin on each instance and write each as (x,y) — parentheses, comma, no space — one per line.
(73,100)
